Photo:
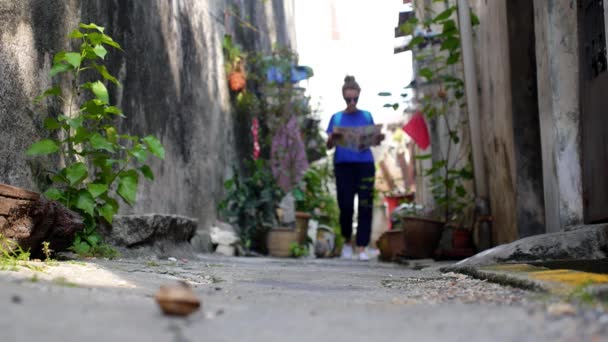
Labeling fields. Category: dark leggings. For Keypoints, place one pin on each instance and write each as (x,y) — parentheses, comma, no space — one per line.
(355,179)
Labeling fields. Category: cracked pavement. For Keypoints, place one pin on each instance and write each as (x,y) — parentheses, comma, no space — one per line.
(265,299)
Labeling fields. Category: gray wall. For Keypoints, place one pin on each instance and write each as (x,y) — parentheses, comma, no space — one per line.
(173,86)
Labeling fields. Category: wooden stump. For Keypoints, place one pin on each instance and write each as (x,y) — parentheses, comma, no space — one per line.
(29,219)
(12,197)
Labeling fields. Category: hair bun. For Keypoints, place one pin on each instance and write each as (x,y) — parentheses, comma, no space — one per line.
(349,79)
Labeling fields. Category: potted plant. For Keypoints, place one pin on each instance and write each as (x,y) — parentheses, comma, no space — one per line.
(443,105)
(250,204)
(235,64)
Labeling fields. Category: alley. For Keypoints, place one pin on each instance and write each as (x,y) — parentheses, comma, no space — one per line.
(261,299)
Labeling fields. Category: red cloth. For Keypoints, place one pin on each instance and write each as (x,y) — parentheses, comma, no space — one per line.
(416,128)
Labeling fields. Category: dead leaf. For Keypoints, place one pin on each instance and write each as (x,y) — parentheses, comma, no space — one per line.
(177,300)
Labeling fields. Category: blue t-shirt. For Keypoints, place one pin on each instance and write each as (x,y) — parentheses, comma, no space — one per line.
(358,118)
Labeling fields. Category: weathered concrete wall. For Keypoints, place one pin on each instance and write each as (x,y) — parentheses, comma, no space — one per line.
(173,86)
(558,86)
(492,52)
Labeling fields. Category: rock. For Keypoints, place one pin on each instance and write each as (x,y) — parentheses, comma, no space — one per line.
(140,230)
(223,237)
(38,221)
(583,243)
(201,242)
(177,300)
(226,250)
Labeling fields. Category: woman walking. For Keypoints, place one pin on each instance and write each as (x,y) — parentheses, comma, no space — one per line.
(355,173)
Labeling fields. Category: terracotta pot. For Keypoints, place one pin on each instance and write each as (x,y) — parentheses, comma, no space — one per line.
(461,238)
(279,241)
(302,219)
(391,244)
(236,81)
(421,236)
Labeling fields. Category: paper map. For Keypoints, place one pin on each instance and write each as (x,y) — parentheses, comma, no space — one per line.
(357,138)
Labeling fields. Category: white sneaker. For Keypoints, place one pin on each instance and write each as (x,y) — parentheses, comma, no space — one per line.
(363,256)
(347,252)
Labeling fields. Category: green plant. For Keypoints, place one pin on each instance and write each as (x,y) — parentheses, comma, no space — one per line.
(11,255)
(233,53)
(313,195)
(46,250)
(251,202)
(298,250)
(444,101)
(101,165)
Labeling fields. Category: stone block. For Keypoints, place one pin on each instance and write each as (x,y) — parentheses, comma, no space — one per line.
(147,229)
(201,242)
(584,243)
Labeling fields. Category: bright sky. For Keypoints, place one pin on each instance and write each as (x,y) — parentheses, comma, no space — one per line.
(361,46)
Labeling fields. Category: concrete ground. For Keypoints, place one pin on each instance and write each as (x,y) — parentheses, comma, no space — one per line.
(263,299)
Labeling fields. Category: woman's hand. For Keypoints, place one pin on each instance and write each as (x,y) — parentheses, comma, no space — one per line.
(331,140)
(378,139)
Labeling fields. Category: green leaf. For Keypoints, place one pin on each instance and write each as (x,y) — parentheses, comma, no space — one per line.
(53,194)
(423,156)
(109,41)
(107,211)
(92,26)
(454,58)
(407,28)
(461,191)
(74,59)
(59,68)
(93,239)
(415,41)
(100,91)
(395,106)
(76,34)
(85,202)
(444,15)
(388,105)
(127,186)
(97,189)
(76,173)
(426,73)
(55,91)
(80,247)
(43,147)
(103,71)
(94,107)
(113,110)
(111,134)
(51,124)
(474,19)
(384,93)
(156,148)
(98,142)
(82,134)
(100,51)
(450,44)
(147,172)
(139,153)
(76,122)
